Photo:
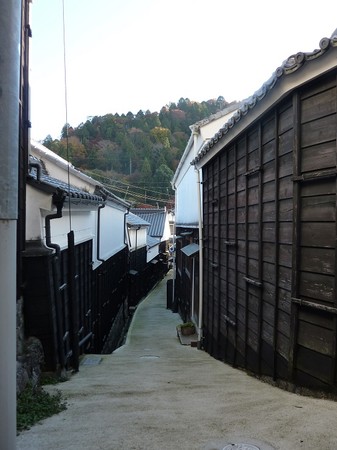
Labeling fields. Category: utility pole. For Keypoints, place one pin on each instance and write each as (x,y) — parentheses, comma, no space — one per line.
(10,34)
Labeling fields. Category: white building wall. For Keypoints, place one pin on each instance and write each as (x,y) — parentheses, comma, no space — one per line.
(185,178)
(152,253)
(137,238)
(83,223)
(112,236)
(82,219)
(167,229)
(36,201)
(186,199)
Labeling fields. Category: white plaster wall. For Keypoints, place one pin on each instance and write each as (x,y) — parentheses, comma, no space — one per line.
(167,230)
(186,201)
(83,219)
(112,231)
(137,237)
(35,202)
(210,129)
(152,253)
(187,198)
(83,223)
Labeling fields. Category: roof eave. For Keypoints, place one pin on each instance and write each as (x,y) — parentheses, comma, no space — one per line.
(283,83)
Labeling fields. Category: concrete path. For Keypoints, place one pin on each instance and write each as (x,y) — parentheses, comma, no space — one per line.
(156,394)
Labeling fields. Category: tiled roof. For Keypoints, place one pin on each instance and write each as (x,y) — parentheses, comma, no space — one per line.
(190,249)
(152,242)
(156,217)
(135,221)
(44,181)
(289,66)
(224,112)
(45,154)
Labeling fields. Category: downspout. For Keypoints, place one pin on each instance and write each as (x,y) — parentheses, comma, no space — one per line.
(58,200)
(100,207)
(126,234)
(201,245)
(136,243)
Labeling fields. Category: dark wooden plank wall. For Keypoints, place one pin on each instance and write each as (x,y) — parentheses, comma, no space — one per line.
(314,299)
(109,292)
(270,232)
(184,274)
(76,313)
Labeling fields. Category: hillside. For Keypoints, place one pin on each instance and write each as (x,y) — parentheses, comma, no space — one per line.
(134,155)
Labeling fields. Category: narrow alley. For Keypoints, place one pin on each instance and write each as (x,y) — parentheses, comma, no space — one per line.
(154,393)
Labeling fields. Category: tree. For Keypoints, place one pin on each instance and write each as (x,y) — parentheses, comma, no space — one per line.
(161,135)
(64,131)
(146,172)
(47,142)
(163,176)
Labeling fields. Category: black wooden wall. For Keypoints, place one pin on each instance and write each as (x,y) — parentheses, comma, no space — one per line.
(270,242)
(68,320)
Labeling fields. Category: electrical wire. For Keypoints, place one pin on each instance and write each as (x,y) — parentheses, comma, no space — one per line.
(113,183)
(132,194)
(66,106)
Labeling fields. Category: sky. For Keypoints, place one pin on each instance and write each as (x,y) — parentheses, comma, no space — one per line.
(117,56)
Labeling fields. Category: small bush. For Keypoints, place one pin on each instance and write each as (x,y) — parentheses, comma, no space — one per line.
(36,404)
(187,325)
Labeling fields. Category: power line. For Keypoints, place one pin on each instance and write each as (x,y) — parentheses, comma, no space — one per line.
(133,194)
(128,185)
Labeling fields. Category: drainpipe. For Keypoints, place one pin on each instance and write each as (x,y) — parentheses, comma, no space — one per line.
(126,233)
(58,200)
(99,232)
(136,242)
(10,25)
(201,245)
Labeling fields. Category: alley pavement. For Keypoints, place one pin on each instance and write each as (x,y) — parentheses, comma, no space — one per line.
(154,393)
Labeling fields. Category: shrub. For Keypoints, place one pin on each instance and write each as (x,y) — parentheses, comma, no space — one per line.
(36,404)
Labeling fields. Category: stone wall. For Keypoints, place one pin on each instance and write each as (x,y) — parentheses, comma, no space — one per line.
(29,354)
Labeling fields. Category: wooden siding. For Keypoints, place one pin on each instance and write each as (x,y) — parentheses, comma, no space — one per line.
(70,307)
(270,242)
(187,276)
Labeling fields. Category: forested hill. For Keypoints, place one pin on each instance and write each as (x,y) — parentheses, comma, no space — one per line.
(134,155)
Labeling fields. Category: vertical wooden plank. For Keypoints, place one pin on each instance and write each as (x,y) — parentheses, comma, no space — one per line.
(260,262)
(277,244)
(334,342)
(236,250)
(207,285)
(59,309)
(227,259)
(246,257)
(295,237)
(214,271)
(74,302)
(218,233)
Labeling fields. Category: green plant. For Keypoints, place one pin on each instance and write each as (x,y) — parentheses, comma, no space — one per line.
(187,325)
(36,404)
(48,379)
(187,328)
